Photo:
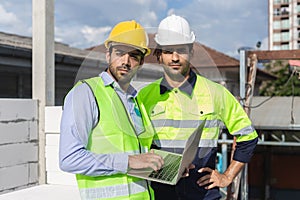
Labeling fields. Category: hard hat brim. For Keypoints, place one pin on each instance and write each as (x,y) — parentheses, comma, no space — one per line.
(145,51)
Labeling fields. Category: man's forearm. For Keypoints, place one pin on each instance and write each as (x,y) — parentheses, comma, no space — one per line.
(233,169)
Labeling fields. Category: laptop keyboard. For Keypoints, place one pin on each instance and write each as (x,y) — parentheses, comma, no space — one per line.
(169,170)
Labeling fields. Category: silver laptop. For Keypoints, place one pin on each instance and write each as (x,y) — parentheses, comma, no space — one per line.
(174,164)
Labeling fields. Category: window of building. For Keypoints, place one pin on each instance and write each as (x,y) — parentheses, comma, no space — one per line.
(285,23)
(277,25)
(276,47)
(285,47)
(277,1)
(276,12)
(298,8)
(276,37)
(285,36)
(286,1)
(284,11)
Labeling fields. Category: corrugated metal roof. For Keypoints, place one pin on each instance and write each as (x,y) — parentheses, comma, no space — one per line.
(276,113)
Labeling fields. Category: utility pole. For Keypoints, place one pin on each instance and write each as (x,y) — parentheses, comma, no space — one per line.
(42,69)
(246,94)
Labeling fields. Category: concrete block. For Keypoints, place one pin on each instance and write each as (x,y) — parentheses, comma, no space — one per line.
(13,177)
(33,130)
(16,154)
(33,173)
(14,132)
(52,119)
(18,110)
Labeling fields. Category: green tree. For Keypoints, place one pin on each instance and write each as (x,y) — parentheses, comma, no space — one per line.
(286,84)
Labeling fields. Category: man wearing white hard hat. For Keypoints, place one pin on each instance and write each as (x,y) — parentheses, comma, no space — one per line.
(179,101)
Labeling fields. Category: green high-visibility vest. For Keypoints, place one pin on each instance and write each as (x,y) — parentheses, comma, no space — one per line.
(115,133)
(175,114)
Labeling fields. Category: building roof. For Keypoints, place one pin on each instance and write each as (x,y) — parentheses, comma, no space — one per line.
(24,42)
(276,113)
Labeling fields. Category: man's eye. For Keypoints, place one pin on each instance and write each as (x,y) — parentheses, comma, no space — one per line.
(167,52)
(119,53)
(135,56)
(182,51)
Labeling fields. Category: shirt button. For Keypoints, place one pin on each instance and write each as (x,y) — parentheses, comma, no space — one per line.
(176,91)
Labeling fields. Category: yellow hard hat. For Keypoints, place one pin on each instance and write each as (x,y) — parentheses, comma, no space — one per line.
(129,33)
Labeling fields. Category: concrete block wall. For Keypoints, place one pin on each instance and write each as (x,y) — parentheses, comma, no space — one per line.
(18,144)
(52,124)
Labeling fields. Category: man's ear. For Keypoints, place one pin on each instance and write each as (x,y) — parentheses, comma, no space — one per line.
(159,59)
(142,61)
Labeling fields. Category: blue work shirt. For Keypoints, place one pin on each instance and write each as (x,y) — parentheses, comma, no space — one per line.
(79,117)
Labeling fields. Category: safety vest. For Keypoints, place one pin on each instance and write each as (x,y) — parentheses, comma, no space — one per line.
(115,133)
(175,114)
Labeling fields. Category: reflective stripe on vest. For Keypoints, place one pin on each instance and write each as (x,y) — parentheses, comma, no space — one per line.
(113,191)
(158,123)
(181,143)
(245,131)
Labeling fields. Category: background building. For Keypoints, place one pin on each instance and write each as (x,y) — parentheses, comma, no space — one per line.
(284,24)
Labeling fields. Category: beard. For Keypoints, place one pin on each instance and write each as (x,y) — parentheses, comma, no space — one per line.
(124,77)
(176,74)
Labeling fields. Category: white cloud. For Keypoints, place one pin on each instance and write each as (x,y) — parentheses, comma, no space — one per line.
(70,36)
(15,17)
(95,35)
(7,18)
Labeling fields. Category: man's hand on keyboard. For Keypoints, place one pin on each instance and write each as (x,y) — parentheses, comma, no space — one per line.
(145,160)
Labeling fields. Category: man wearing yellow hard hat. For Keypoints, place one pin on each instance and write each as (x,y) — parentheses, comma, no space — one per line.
(104,128)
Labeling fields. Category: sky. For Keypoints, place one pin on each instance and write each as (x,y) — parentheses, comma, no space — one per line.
(224,25)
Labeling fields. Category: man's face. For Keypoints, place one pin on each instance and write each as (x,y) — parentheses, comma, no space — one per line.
(176,61)
(124,61)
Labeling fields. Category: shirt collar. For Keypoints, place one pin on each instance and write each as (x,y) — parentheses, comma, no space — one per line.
(187,86)
(109,81)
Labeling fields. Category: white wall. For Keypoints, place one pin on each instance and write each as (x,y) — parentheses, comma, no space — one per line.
(52,123)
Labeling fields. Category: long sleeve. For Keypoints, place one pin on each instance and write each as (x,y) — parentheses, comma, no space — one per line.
(79,116)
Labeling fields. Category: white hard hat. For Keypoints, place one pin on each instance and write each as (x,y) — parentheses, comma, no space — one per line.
(174,30)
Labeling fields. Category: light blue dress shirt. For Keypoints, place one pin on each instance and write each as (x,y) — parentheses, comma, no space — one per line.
(79,117)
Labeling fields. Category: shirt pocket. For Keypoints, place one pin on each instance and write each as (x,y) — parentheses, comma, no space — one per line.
(203,111)
(158,112)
